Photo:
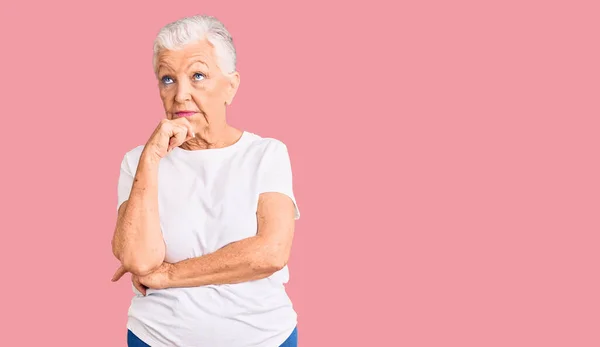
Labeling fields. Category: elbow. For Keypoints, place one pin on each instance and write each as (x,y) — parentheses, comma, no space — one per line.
(142,263)
(116,250)
(278,262)
(271,263)
(141,267)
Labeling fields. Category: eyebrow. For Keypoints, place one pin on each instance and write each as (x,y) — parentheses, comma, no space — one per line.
(198,61)
(163,65)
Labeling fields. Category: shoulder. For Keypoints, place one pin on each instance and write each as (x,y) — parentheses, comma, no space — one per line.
(265,145)
(269,155)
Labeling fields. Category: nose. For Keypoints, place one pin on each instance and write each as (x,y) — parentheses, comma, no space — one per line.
(183,92)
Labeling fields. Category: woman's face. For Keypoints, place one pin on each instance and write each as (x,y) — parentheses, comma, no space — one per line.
(192,85)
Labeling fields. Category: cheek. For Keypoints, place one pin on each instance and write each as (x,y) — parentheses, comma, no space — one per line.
(166,97)
(208,95)
(202,95)
(219,91)
(224,90)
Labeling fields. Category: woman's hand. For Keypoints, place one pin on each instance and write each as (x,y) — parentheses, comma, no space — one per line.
(168,135)
(136,283)
(158,279)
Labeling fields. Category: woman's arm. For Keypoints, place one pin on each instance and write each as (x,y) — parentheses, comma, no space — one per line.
(258,256)
(248,259)
(251,258)
(137,241)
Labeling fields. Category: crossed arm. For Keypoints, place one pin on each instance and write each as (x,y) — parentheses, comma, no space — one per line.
(138,243)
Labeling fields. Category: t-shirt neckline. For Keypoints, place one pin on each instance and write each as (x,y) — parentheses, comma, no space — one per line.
(212,152)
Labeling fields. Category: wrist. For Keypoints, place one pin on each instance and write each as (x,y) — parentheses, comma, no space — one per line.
(172,275)
(149,157)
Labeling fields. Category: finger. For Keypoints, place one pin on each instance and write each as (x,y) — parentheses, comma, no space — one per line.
(190,129)
(173,138)
(179,137)
(119,273)
(172,129)
(140,287)
(183,135)
(171,145)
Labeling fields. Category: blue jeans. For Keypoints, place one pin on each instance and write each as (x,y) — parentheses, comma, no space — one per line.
(134,341)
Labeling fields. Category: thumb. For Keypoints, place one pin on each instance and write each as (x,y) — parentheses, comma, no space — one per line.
(119,273)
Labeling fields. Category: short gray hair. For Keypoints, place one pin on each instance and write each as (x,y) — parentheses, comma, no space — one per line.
(176,35)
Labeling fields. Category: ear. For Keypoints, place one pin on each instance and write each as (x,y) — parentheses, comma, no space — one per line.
(232,87)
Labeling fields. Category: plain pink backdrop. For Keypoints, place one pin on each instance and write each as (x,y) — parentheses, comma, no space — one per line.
(445,158)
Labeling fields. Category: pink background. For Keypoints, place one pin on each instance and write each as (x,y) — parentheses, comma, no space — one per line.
(445,158)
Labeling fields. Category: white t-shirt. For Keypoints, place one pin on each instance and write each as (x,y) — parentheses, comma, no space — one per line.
(208,199)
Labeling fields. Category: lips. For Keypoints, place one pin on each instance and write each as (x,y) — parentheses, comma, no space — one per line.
(185,113)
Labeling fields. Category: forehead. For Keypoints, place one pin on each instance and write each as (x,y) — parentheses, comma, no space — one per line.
(201,51)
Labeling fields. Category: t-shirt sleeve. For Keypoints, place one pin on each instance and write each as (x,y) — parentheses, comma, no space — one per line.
(125,182)
(275,173)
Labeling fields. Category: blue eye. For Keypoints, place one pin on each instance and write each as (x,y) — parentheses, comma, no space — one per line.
(167,80)
(198,76)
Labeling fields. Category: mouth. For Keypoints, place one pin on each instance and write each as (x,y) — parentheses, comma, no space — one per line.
(185,113)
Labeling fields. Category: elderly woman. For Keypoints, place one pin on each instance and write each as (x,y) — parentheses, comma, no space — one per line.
(206,211)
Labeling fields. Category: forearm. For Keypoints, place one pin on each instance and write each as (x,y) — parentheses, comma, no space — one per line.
(138,240)
(245,260)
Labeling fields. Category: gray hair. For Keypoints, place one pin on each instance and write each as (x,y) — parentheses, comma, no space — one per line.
(187,30)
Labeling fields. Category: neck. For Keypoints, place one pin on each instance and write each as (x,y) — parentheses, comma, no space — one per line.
(213,137)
